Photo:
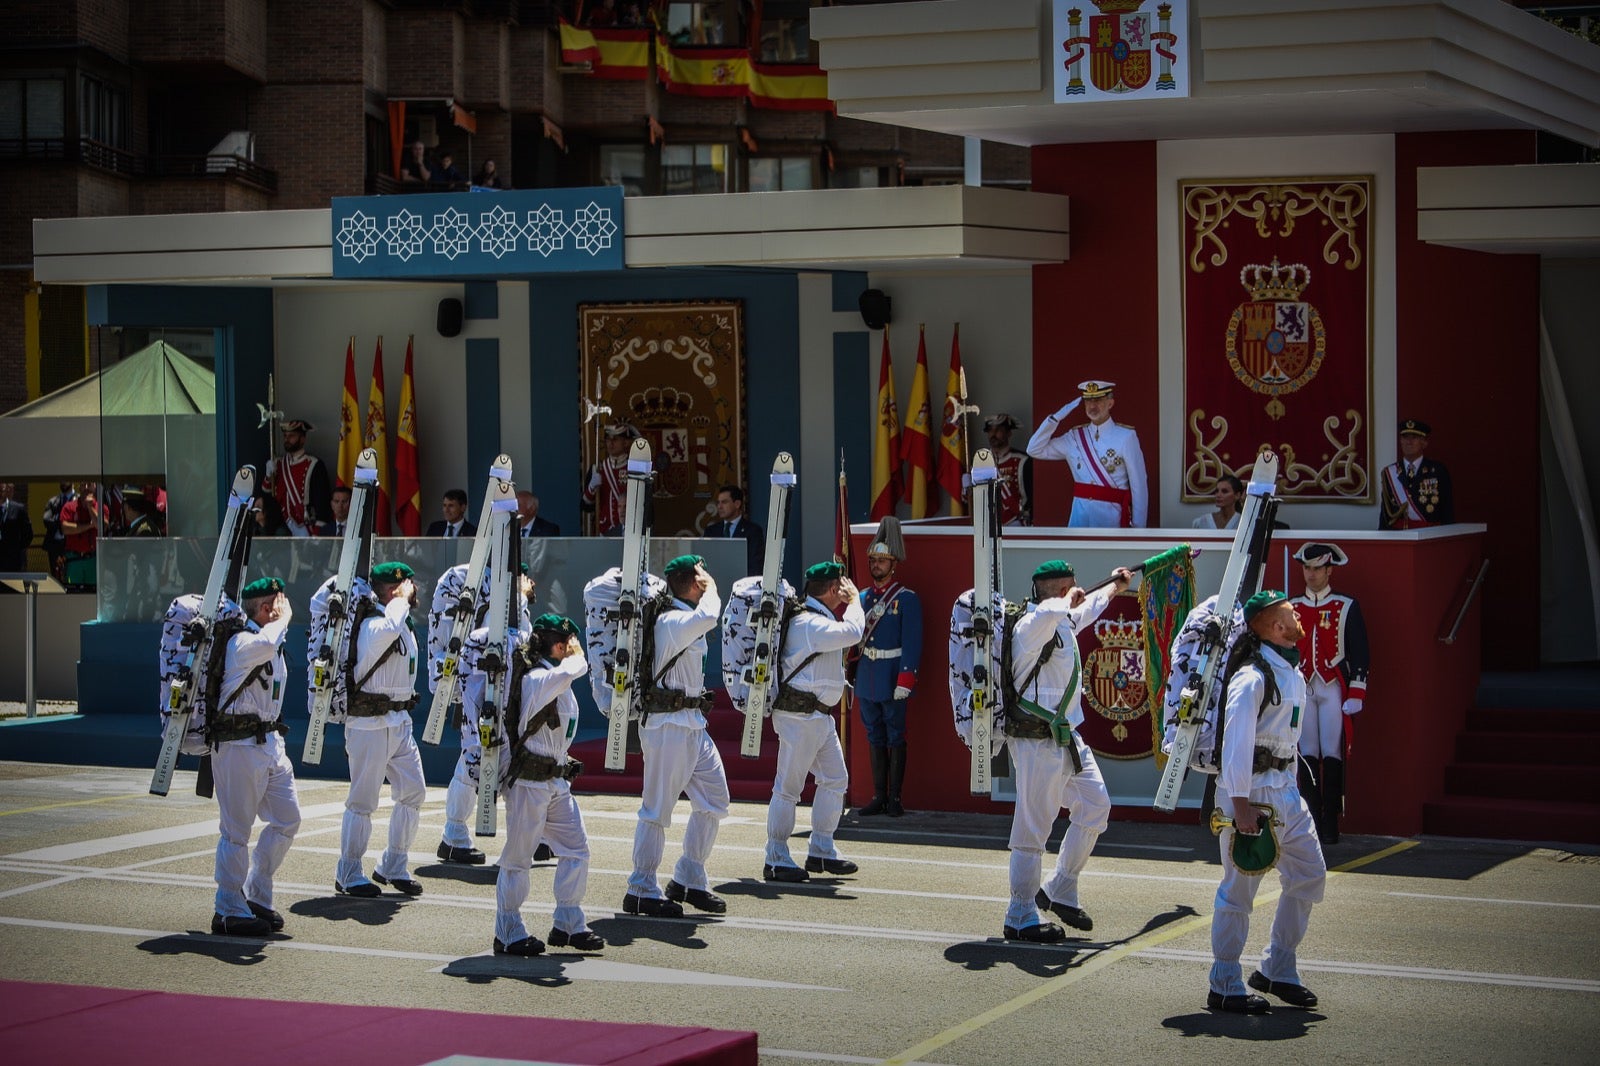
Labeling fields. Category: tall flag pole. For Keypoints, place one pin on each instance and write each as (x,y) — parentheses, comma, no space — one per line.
(841,522)
(407,477)
(377,438)
(916,447)
(349,421)
(887,486)
(953,449)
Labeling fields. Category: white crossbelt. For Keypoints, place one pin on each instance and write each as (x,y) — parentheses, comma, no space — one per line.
(880,653)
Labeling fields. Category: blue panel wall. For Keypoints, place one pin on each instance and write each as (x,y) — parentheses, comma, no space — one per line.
(854,414)
(772,374)
(483,404)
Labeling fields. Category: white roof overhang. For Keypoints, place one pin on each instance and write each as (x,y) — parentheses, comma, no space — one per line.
(1549,210)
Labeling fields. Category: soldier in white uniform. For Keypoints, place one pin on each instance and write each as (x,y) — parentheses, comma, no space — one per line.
(811,683)
(252,771)
(1054,768)
(1109,486)
(461,796)
(538,792)
(679,755)
(378,738)
(1261,729)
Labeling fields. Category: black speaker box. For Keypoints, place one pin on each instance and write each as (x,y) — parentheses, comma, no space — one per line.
(874,308)
(449,317)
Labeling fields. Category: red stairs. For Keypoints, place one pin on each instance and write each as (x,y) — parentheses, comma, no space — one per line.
(1525,774)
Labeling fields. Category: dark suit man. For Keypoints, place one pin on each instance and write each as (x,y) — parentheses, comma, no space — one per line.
(16,531)
(339,504)
(731,522)
(528,520)
(454,523)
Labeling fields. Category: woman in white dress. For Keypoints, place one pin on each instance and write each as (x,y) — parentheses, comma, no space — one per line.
(1230,493)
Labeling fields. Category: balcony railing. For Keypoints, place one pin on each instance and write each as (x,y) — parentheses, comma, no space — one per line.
(244,171)
(130,164)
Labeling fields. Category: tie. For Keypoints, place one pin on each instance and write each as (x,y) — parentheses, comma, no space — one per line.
(450,530)
(728,530)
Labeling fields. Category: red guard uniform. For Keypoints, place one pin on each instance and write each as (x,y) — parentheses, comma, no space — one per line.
(607,493)
(1334,660)
(1015,480)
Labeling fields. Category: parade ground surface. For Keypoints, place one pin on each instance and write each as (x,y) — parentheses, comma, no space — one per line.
(1425,950)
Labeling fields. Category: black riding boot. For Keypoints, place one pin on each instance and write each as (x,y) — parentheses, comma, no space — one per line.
(1332,800)
(897,776)
(880,783)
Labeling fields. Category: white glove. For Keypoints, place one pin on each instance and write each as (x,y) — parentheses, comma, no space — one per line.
(1067,410)
(1352,705)
(901,692)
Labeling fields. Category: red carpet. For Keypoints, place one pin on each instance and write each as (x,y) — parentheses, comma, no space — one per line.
(69,1024)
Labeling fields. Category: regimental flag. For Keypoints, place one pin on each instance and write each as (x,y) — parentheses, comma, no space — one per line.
(952,461)
(376,437)
(789,87)
(1166,596)
(887,485)
(703,71)
(916,447)
(616,54)
(407,478)
(349,420)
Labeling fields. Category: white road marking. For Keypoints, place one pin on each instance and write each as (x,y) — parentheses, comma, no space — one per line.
(85,849)
(823,1056)
(575,967)
(1425,973)
(1507,902)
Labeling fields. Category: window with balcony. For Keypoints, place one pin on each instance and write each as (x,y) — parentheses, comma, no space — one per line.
(32,115)
(785,32)
(777,173)
(102,112)
(694,168)
(713,23)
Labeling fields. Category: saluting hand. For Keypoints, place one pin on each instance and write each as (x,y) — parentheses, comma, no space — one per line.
(847,590)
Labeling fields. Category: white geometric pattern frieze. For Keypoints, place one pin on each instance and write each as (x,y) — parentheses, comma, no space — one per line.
(497,232)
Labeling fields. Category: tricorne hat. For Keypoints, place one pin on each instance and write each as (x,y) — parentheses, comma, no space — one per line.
(1321,553)
(1001,420)
(297,425)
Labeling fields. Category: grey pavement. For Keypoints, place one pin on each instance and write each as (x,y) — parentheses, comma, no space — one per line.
(1424,951)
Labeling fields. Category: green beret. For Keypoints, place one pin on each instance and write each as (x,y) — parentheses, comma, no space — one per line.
(1261,601)
(525,571)
(684,564)
(261,586)
(390,573)
(1053,568)
(555,623)
(828,571)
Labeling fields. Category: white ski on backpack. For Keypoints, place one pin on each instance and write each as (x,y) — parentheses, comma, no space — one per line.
(985,582)
(769,612)
(630,605)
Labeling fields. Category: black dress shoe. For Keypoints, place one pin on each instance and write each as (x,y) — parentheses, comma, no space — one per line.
(698,898)
(232,925)
(584,941)
(527,947)
(895,809)
(464,856)
(1044,933)
(1238,1004)
(789,874)
(1294,995)
(650,907)
(817,864)
(1073,916)
(365,890)
(266,914)
(875,806)
(542,853)
(403,885)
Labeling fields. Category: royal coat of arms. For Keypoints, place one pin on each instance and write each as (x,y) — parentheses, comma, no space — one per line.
(1128,49)
(1276,341)
(1116,694)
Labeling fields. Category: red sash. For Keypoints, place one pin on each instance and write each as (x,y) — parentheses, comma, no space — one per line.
(1412,516)
(1088,490)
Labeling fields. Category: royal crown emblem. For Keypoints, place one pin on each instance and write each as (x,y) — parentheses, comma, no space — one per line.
(665,415)
(1276,341)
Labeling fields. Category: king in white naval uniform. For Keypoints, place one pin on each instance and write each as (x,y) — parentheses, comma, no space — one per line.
(1109,485)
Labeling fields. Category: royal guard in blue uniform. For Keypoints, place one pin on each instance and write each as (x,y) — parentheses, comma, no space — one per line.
(1416,490)
(891,650)
(1334,661)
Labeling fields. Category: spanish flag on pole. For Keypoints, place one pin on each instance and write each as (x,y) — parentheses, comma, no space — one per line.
(377,438)
(917,444)
(349,420)
(407,478)
(614,54)
(887,486)
(953,434)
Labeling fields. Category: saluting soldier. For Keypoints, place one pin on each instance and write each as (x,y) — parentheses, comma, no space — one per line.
(1109,487)
(891,652)
(1013,472)
(810,686)
(1416,489)
(1334,660)
(254,778)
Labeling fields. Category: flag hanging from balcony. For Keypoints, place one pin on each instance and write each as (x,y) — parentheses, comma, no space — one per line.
(703,71)
(789,87)
(917,443)
(619,55)
(953,432)
(887,486)
(376,437)
(349,420)
(407,478)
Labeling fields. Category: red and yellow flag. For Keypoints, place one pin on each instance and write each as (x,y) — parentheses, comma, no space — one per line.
(953,433)
(789,87)
(618,55)
(887,485)
(916,447)
(376,437)
(703,71)
(349,421)
(407,478)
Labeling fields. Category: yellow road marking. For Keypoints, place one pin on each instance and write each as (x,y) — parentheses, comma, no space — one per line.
(1099,962)
(71,803)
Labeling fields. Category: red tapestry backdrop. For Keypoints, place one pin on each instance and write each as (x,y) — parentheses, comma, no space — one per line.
(1277,313)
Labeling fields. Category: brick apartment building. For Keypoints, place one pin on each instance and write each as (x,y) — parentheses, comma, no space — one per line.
(129,107)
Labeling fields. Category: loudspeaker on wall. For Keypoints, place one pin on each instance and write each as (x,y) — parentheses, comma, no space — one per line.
(449,317)
(874,308)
